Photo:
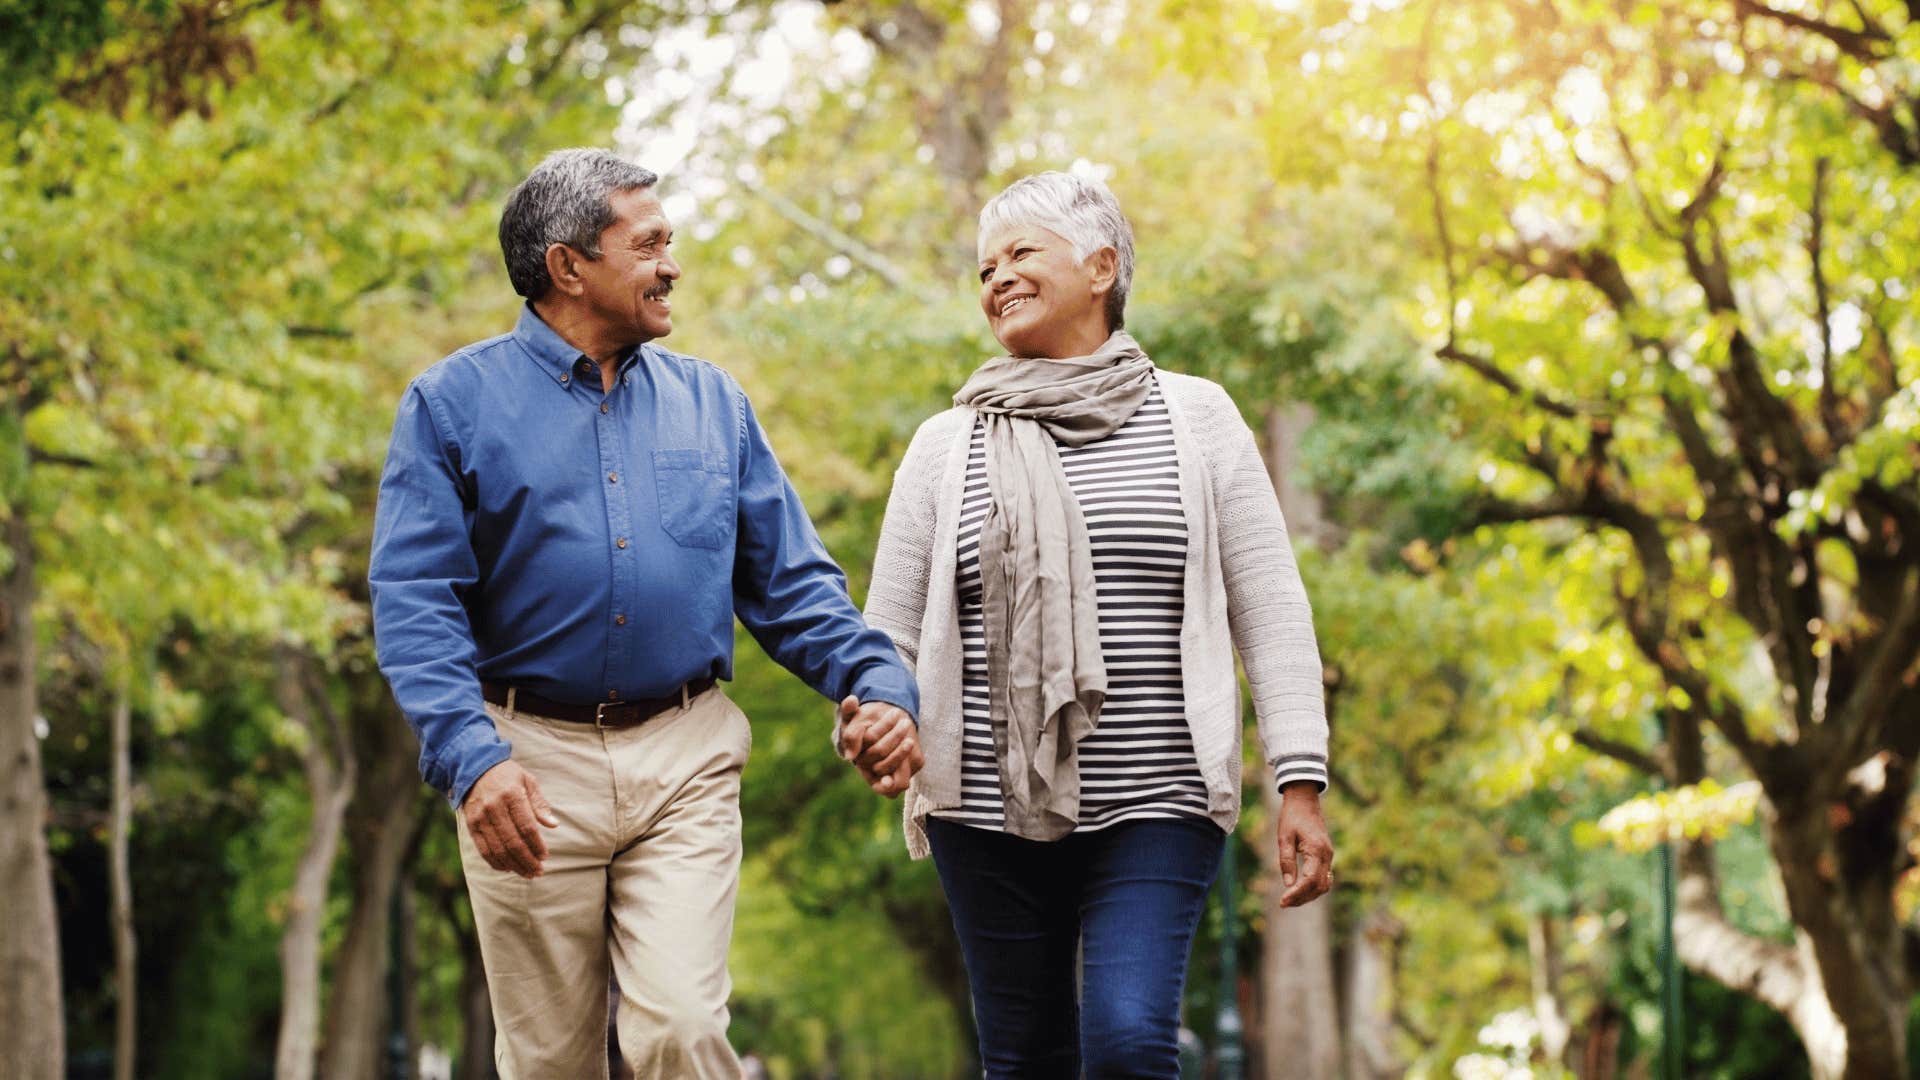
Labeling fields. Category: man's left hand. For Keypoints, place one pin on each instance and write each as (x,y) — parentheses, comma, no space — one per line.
(1306,851)
(882,742)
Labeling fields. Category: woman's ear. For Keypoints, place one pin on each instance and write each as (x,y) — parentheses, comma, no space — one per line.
(1103,266)
(563,267)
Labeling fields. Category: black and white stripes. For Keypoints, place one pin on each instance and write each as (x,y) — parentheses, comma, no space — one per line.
(1139,762)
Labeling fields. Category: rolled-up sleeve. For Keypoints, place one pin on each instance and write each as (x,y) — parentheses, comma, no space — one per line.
(422,568)
(792,597)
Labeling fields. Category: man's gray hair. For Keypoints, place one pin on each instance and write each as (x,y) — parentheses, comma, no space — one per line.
(567,199)
(1081,210)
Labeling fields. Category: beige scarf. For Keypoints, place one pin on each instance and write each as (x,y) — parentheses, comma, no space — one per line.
(1046,677)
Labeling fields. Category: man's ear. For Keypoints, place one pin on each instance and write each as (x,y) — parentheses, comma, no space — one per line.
(563,266)
(1104,266)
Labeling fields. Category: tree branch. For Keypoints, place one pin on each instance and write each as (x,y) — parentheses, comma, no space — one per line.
(1507,512)
(1631,756)
(1719,481)
(1878,350)
(1867,710)
(1491,372)
(1769,971)
(37,456)
(1653,214)
(1646,611)
(1897,138)
(596,21)
(1708,190)
(959,105)
(1407,1024)
(840,241)
(1753,411)
(1829,397)
(1867,46)
(1445,234)
(1452,351)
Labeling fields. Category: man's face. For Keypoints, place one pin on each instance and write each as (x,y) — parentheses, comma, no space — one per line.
(627,285)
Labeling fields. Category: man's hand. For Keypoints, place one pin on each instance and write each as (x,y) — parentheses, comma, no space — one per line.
(882,742)
(504,811)
(1306,852)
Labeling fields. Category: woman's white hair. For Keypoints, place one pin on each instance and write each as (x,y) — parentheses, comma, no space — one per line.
(1081,210)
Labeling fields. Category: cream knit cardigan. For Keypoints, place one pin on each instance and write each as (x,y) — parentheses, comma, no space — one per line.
(1243,592)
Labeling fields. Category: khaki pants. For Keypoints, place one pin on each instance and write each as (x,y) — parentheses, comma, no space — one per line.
(641,874)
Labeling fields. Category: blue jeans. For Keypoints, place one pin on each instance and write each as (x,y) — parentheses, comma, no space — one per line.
(1126,898)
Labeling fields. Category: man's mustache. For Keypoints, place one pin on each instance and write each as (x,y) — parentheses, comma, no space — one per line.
(660,291)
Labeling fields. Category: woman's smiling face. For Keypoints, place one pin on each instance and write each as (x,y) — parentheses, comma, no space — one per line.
(1039,299)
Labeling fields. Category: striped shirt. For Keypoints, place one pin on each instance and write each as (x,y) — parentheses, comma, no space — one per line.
(1139,761)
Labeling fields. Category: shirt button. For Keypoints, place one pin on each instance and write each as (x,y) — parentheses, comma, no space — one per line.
(619,620)
(603,408)
(621,543)
(565,378)
(613,695)
(626,378)
(613,478)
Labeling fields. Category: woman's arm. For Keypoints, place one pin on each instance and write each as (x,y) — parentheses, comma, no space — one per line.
(1267,606)
(897,595)
(1272,625)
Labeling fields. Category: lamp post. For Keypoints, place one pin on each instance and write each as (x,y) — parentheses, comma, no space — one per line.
(1231,1052)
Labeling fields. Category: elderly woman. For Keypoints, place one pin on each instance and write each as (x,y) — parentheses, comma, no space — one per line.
(1071,557)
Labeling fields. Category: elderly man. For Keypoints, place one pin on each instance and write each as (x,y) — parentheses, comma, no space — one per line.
(570,519)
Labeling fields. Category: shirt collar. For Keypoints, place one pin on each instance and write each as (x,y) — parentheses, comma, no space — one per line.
(558,359)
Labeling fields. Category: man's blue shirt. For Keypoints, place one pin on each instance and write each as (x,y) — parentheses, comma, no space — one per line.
(592,546)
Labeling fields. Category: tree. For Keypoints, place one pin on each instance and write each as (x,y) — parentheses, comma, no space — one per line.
(172,56)
(1670,245)
(188,402)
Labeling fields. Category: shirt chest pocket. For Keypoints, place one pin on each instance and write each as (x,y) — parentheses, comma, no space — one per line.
(695,489)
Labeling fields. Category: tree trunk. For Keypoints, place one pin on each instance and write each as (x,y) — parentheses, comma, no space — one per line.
(1307,524)
(1548,1010)
(476,1007)
(963,94)
(1369,996)
(1843,984)
(330,769)
(120,884)
(382,830)
(1300,1029)
(1301,1025)
(1853,1013)
(33,1046)
(1600,1042)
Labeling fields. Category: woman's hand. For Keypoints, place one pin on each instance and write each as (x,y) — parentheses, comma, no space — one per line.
(1306,852)
(882,742)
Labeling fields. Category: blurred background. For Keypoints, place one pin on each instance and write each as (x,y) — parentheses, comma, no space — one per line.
(1581,336)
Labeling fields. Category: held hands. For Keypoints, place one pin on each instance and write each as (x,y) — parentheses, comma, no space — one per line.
(504,811)
(882,742)
(1306,853)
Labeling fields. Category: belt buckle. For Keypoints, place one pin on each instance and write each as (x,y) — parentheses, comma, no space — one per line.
(600,712)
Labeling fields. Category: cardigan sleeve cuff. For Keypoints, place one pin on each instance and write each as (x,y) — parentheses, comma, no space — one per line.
(1288,768)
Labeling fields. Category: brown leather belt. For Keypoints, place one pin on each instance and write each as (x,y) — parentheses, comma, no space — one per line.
(613,714)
